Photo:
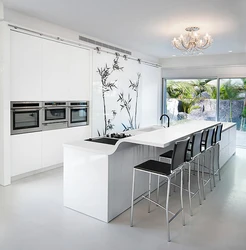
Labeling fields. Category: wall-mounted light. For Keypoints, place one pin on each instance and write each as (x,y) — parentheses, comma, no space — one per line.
(117,54)
(125,57)
(98,49)
(139,60)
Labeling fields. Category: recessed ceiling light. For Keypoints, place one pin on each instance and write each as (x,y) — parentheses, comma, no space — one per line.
(174,55)
(230,51)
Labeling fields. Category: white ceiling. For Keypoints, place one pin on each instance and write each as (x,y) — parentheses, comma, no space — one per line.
(147,26)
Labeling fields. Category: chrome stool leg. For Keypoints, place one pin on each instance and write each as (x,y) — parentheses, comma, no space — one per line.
(218,161)
(132,201)
(214,151)
(167,211)
(198,180)
(203,186)
(189,191)
(181,196)
(149,193)
(175,180)
(158,189)
(210,166)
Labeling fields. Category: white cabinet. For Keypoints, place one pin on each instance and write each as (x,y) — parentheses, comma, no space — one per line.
(52,147)
(45,70)
(66,72)
(26,153)
(55,74)
(52,143)
(26,67)
(227,145)
(79,74)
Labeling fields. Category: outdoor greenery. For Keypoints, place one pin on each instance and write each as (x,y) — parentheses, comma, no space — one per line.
(231,92)
(190,93)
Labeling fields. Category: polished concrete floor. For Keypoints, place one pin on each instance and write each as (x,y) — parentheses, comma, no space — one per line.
(32,217)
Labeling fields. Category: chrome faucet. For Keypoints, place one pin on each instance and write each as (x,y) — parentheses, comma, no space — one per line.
(168,119)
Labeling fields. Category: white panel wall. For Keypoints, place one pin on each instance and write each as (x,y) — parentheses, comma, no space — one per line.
(4,104)
(151,96)
(1,11)
(52,143)
(146,98)
(29,76)
(47,70)
(55,70)
(26,67)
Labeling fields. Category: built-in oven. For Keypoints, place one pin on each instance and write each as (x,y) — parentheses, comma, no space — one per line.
(54,115)
(25,117)
(78,112)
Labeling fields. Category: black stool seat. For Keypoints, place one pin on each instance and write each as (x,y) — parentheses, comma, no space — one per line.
(168,154)
(155,167)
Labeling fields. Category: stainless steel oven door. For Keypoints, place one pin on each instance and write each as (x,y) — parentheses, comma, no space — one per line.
(54,114)
(25,120)
(78,116)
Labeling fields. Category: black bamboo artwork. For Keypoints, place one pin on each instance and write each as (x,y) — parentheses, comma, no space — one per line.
(126,104)
(108,86)
(135,87)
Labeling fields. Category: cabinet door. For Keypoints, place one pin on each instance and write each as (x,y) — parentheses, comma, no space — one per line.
(53,140)
(26,153)
(26,63)
(66,72)
(79,74)
(77,134)
(55,74)
(52,150)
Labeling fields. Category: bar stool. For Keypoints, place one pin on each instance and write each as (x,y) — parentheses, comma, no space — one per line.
(216,143)
(193,154)
(167,171)
(207,147)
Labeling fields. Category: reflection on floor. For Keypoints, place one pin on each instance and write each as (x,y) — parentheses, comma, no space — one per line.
(32,217)
(241,139)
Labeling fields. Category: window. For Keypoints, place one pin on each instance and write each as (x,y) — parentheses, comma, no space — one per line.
(191,99)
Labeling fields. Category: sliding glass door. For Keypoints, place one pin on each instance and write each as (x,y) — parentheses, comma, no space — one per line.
(208,99)
(194,99)
(232,105)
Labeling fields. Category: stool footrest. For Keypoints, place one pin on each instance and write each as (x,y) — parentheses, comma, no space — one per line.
(157,204)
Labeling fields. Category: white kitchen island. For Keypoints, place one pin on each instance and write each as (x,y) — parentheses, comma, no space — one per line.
(98,177)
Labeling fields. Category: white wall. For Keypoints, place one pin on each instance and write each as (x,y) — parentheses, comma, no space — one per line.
(20,19)
(228,65)
(1,11)
(4,104)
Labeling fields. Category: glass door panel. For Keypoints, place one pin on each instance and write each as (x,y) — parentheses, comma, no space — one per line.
(194,99)
(233,105)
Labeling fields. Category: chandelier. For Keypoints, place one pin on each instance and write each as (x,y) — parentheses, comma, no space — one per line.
(192,42)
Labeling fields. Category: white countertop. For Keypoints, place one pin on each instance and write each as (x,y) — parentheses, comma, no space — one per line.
(155,135)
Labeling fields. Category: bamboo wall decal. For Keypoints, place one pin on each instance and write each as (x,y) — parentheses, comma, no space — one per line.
(106,87)
(126,104)
(135,87)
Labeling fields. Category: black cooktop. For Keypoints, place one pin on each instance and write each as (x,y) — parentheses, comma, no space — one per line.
(109,139)
(118,136)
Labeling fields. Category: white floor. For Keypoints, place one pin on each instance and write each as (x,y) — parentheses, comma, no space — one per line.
(241,139)
(32,217)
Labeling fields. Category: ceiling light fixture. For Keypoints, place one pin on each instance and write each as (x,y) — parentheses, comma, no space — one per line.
(192,42)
